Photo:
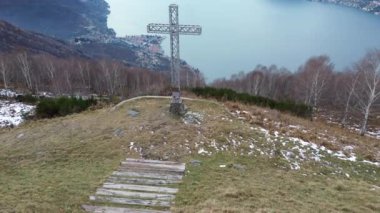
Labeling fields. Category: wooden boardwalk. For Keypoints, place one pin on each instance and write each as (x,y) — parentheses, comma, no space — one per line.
(140,186)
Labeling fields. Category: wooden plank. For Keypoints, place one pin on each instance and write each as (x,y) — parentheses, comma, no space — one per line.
(180,167)
(148,175)
(149,170)
(128,201)
(141,181)
(152,161)
(140,188)
(130,194)
(107,209)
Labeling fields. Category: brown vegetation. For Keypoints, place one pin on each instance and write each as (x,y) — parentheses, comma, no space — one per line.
(354,93)
(53,165)
(330,136)
(78,76)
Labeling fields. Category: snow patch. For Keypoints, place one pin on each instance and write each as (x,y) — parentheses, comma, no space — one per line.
(295,150)
(12,114)
(192,118)
(202,151)
(7,93)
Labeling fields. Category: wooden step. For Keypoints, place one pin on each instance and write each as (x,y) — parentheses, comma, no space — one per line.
(130,194)
(179,168)
(106,209)
(140,188)
(152,161)
(141,181)
(138,183)
(128,201)
(149,170)
(148,175)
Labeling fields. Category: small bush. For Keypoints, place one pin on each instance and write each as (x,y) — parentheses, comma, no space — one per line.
(223,94)
(29,99)
(49,107)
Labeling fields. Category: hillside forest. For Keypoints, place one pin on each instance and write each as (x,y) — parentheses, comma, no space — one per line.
(350,96)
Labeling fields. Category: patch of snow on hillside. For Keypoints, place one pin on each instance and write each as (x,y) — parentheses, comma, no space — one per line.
(295,150)
(12,114)
(7,93)
(192,118)
(374,133)
(319,152)
(202,151)
(371,132)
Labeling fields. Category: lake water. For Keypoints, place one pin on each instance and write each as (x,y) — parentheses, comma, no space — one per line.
(240,34)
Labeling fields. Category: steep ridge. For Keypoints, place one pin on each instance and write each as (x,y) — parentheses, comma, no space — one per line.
(62,19)
(15,39)
(82,24)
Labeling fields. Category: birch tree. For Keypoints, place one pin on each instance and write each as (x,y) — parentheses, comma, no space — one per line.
(4,72)
(115,78)
(25,68)
(351,91)
(111,72)
(369,90)
(255,80)
(314,76)
(84,72)
(51,73)
(68,80)
(107,76)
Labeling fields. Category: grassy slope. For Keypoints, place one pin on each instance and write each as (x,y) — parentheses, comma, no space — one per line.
(53,165)
(263,187)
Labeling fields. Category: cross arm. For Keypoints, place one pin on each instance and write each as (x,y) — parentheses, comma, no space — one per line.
(190,29)
(159,28)
(182,29)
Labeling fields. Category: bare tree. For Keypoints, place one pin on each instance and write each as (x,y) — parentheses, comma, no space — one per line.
(351,91)
(68,80)
(4,72)
(369,85)
(255,82)
(51,73)
(84,71)
(187,78)
(115,78)
(315,75)
(25,68)
(111,72)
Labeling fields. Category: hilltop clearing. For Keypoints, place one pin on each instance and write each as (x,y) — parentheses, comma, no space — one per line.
(234,164)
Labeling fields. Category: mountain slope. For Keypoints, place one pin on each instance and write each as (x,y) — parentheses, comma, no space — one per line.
(13,39)
(62,19)
(83,25)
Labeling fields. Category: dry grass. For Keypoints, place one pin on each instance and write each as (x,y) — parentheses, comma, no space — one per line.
(54,165)
(263,187)
(329,135)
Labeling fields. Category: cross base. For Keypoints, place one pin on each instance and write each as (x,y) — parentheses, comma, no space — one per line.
(177,107)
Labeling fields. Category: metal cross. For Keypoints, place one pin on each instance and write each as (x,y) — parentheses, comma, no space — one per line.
(175,29)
